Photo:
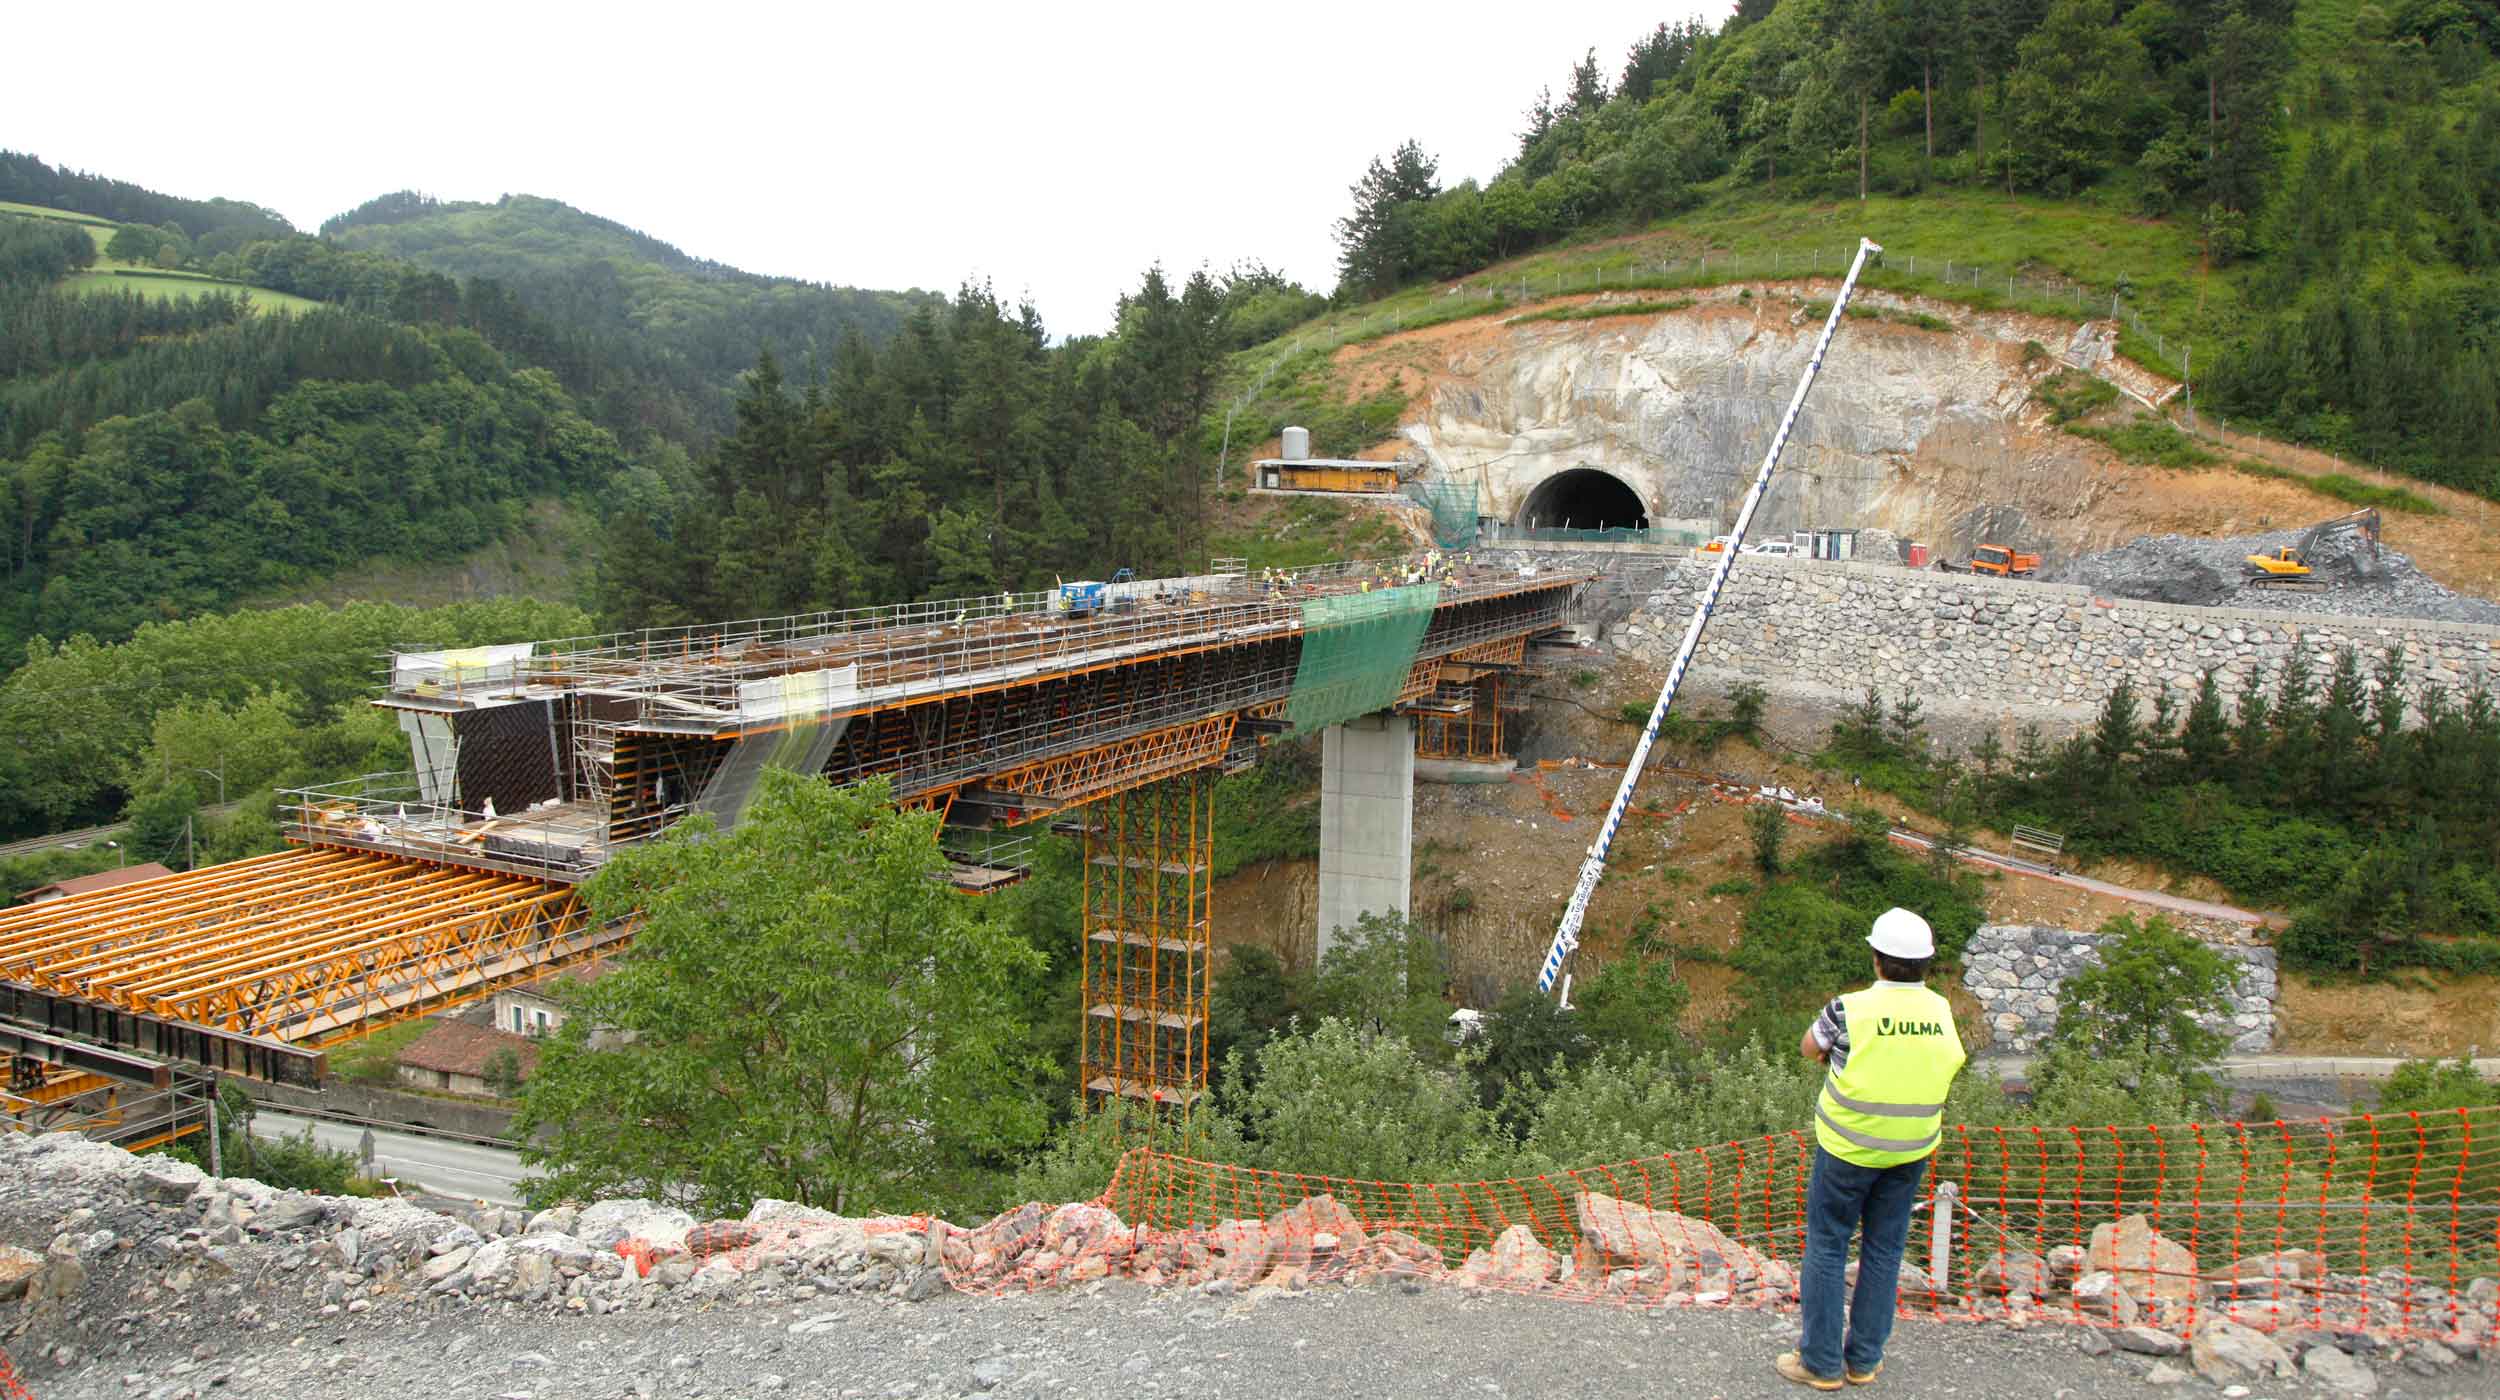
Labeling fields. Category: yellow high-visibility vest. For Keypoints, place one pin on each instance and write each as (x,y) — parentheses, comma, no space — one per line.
(1885,1106)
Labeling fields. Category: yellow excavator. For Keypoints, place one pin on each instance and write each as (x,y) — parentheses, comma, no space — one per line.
(2293,565)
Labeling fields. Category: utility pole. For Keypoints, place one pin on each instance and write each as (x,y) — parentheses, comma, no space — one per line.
(190,850)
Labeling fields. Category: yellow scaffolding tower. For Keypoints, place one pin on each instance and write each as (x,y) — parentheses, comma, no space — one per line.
(1149,869)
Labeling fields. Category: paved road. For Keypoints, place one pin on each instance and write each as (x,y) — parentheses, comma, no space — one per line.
(2177,904)
(72,840)
(444,1167)
(2263,1069)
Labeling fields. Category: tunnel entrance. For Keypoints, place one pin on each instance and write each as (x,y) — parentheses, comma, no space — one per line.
(1583,498)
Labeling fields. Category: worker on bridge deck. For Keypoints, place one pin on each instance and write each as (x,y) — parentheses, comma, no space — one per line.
(1892,1053)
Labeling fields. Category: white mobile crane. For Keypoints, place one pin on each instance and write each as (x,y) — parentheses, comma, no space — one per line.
(1567,937)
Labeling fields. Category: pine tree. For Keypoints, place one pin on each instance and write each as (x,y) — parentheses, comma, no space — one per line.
(1377,240)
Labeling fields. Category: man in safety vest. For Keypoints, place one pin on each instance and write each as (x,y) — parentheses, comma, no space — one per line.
(1892,1052)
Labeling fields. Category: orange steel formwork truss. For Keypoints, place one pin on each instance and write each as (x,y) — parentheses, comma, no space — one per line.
(1149,869)
(302,947)
(1074,779)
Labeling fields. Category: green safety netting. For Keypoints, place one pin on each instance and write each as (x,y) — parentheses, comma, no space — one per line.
(1356,651)
(1453,508)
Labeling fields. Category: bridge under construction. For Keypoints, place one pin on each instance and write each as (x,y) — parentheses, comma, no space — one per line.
(1107,713)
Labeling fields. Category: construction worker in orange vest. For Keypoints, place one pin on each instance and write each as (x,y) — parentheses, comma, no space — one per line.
(1892,1053)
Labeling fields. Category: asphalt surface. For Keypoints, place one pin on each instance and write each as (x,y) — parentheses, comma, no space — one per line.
(459,1170)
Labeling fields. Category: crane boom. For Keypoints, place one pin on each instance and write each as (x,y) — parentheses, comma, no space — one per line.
(1567,937)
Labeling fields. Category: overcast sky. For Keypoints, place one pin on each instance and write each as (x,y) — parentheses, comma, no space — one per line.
(1054,149)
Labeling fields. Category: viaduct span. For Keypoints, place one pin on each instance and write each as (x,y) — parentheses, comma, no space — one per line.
(403,894)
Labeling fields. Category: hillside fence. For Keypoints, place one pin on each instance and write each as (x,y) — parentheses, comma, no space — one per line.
(2385,1226)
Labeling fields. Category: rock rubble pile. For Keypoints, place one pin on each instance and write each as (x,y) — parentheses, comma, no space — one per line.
(2213,573)
(140,1248)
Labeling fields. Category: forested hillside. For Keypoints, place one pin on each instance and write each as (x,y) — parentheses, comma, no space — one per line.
(166,458)
(2333,165)
(966,455)
(687,327)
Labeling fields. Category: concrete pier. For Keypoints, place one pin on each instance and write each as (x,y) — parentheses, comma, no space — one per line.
(1366,820)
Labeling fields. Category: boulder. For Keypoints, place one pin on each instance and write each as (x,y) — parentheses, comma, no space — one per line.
(61,1278)
(1297,1229)
(2148,1341)
(719,1237)
(490,1263)
(2330,1367)
(1691,1252)
(2286,1265)
(1398,1254)
(169,1185)
(1518,1260)
(992,1248)
(2226,1351)
(17,1266)
(606,1224)
(2016,1271)
(2065,1264)
(2148,1263)
(1243,1248)
(443,1266)
(2099,1295)
(1075,1229)
(557,1220)
(293,1213)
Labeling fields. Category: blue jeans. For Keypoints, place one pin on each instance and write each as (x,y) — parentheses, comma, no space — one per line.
(1842,1196)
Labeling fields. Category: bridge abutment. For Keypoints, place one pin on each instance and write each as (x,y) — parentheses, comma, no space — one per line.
(1366,820)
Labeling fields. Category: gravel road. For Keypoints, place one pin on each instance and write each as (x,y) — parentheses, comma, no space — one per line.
(1123,1340)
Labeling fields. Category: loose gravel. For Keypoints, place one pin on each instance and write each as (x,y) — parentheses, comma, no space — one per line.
(2213,573)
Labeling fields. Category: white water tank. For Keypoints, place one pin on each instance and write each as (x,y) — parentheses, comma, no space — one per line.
(1297,446)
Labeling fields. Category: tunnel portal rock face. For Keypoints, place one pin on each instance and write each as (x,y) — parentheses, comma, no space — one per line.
(1662,419)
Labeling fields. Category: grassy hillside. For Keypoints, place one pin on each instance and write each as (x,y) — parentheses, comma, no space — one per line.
(111,275)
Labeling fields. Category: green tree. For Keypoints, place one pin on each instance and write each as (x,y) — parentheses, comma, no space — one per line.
(808,1012)
(1527,1037)
(503,1073)
(1376,241)
(134,244)
(1634,1006)
(1385,976)
(1339,1102)
(1767,823)
(2431,1086)
(2144,998)
(2079,83)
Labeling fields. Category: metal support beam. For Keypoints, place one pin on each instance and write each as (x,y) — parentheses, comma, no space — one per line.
(26,1043)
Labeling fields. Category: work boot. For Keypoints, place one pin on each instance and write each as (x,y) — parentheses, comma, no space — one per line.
(1792,1366)
(1866,1377)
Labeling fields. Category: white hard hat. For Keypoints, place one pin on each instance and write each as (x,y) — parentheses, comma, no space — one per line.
(1902,934)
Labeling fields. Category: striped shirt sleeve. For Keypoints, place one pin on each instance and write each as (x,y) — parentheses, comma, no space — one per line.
(1831,1031)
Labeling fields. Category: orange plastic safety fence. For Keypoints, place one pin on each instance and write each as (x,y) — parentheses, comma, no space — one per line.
(2386,1225)
(11,1388)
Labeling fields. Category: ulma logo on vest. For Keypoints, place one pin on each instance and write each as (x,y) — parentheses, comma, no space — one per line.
(1885,1025)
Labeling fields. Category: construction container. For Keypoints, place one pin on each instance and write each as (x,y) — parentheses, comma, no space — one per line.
(1918,555)
(1297,446)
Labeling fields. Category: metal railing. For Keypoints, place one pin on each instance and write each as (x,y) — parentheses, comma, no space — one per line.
(689,679)
(130,1114)
(387,812)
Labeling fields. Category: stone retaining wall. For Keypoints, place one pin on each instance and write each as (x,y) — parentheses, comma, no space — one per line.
(2015,970)
(2007,644)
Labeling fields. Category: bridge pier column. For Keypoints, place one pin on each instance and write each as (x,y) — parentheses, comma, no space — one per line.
(1366,820)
